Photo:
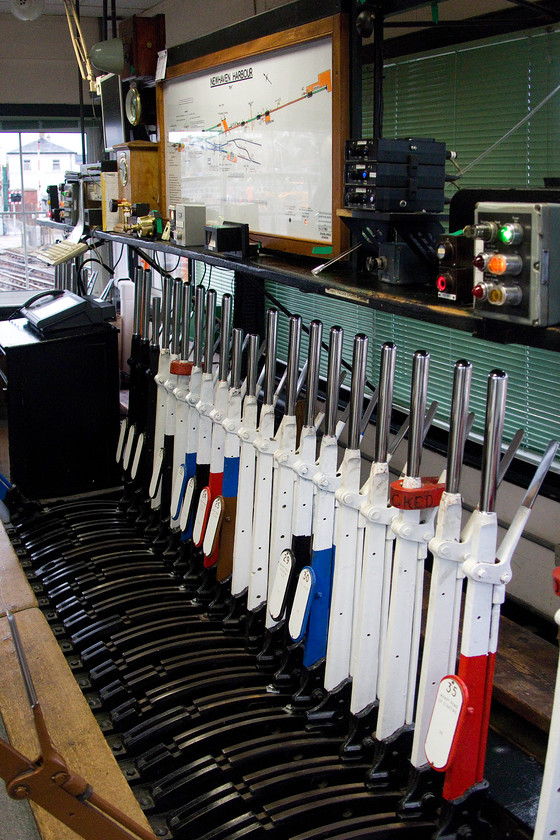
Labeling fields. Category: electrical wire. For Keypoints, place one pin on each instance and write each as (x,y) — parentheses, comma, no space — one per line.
(120,257)
(201,281)
(107,268)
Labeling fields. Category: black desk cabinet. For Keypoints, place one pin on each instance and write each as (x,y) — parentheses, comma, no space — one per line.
(62,401)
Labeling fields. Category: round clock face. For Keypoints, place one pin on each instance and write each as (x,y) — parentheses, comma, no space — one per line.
(133,106)
(123,170)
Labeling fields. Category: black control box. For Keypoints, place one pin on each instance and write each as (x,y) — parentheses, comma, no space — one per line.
(395,176)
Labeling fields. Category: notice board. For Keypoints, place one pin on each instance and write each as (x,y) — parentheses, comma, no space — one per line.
(256,135)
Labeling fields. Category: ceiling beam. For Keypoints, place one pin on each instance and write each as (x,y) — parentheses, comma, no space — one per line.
(447,33)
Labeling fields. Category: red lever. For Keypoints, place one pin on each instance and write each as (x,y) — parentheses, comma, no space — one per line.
(556,580)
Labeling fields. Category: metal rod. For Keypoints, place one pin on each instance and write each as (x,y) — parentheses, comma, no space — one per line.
(210,327)
(156,322)
(294,339)
(418,398)
(225,336)
(493,431)
(166,310)
(252,358)
(22,660)
(236,356)
(336,337)
(198,325)
(319,268)
(270,358)
(462,375)
(146,303)
(314,360)
(540,474)
(385,403)
(186,327)
(509,455)
(359,360)
(138,300)
(177,316)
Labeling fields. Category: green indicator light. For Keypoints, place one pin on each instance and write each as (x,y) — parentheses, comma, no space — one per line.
(505,234)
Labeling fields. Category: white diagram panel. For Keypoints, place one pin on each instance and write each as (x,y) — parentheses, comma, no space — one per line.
(253,142)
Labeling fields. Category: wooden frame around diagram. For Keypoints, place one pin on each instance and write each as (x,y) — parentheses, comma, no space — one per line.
(333,28)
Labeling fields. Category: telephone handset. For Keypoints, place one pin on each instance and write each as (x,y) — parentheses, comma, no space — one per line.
(54,293)
(54,310)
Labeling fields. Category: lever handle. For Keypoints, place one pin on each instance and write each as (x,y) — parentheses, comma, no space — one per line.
(252,359)
(186,325)
(210,323)
(138,302)
(225,336)
(359,360)
(236,356)
(493,431)
(385,391)
(270,357)
(314,360)
(294,338)
(333,379)
(198,324)
(177,316)
(146,300)
(167,283)
(462,376)
(418,399)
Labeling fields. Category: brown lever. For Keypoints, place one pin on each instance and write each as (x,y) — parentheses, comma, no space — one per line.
(49,782)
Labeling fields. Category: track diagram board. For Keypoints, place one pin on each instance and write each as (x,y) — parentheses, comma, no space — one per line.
(253,142)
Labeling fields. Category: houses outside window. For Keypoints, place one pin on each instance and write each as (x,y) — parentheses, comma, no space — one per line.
(29,163)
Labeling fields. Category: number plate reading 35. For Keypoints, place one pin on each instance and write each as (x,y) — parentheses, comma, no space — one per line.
(444,730)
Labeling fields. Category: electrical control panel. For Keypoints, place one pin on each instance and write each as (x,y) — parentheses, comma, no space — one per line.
(454,279)
(517,262)
(395,176)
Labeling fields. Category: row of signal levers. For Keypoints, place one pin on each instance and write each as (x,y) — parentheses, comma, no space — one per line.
(245,619)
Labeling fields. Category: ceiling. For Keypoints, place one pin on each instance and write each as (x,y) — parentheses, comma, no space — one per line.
(398,13)
(91,8)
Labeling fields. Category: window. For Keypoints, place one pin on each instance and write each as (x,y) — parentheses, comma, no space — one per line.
(27,161)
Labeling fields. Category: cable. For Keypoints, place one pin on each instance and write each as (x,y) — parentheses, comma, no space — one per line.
(201,281)
(107,268)
(176,266)
(120,257)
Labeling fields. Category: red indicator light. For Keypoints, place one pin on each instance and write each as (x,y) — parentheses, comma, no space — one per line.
(478,292)
(480,262)
(441,282)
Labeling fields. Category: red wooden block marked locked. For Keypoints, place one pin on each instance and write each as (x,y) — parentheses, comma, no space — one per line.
(181,368)
(428,495)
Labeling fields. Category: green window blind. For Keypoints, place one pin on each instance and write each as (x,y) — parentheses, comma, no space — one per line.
(534,374)
(469,96)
